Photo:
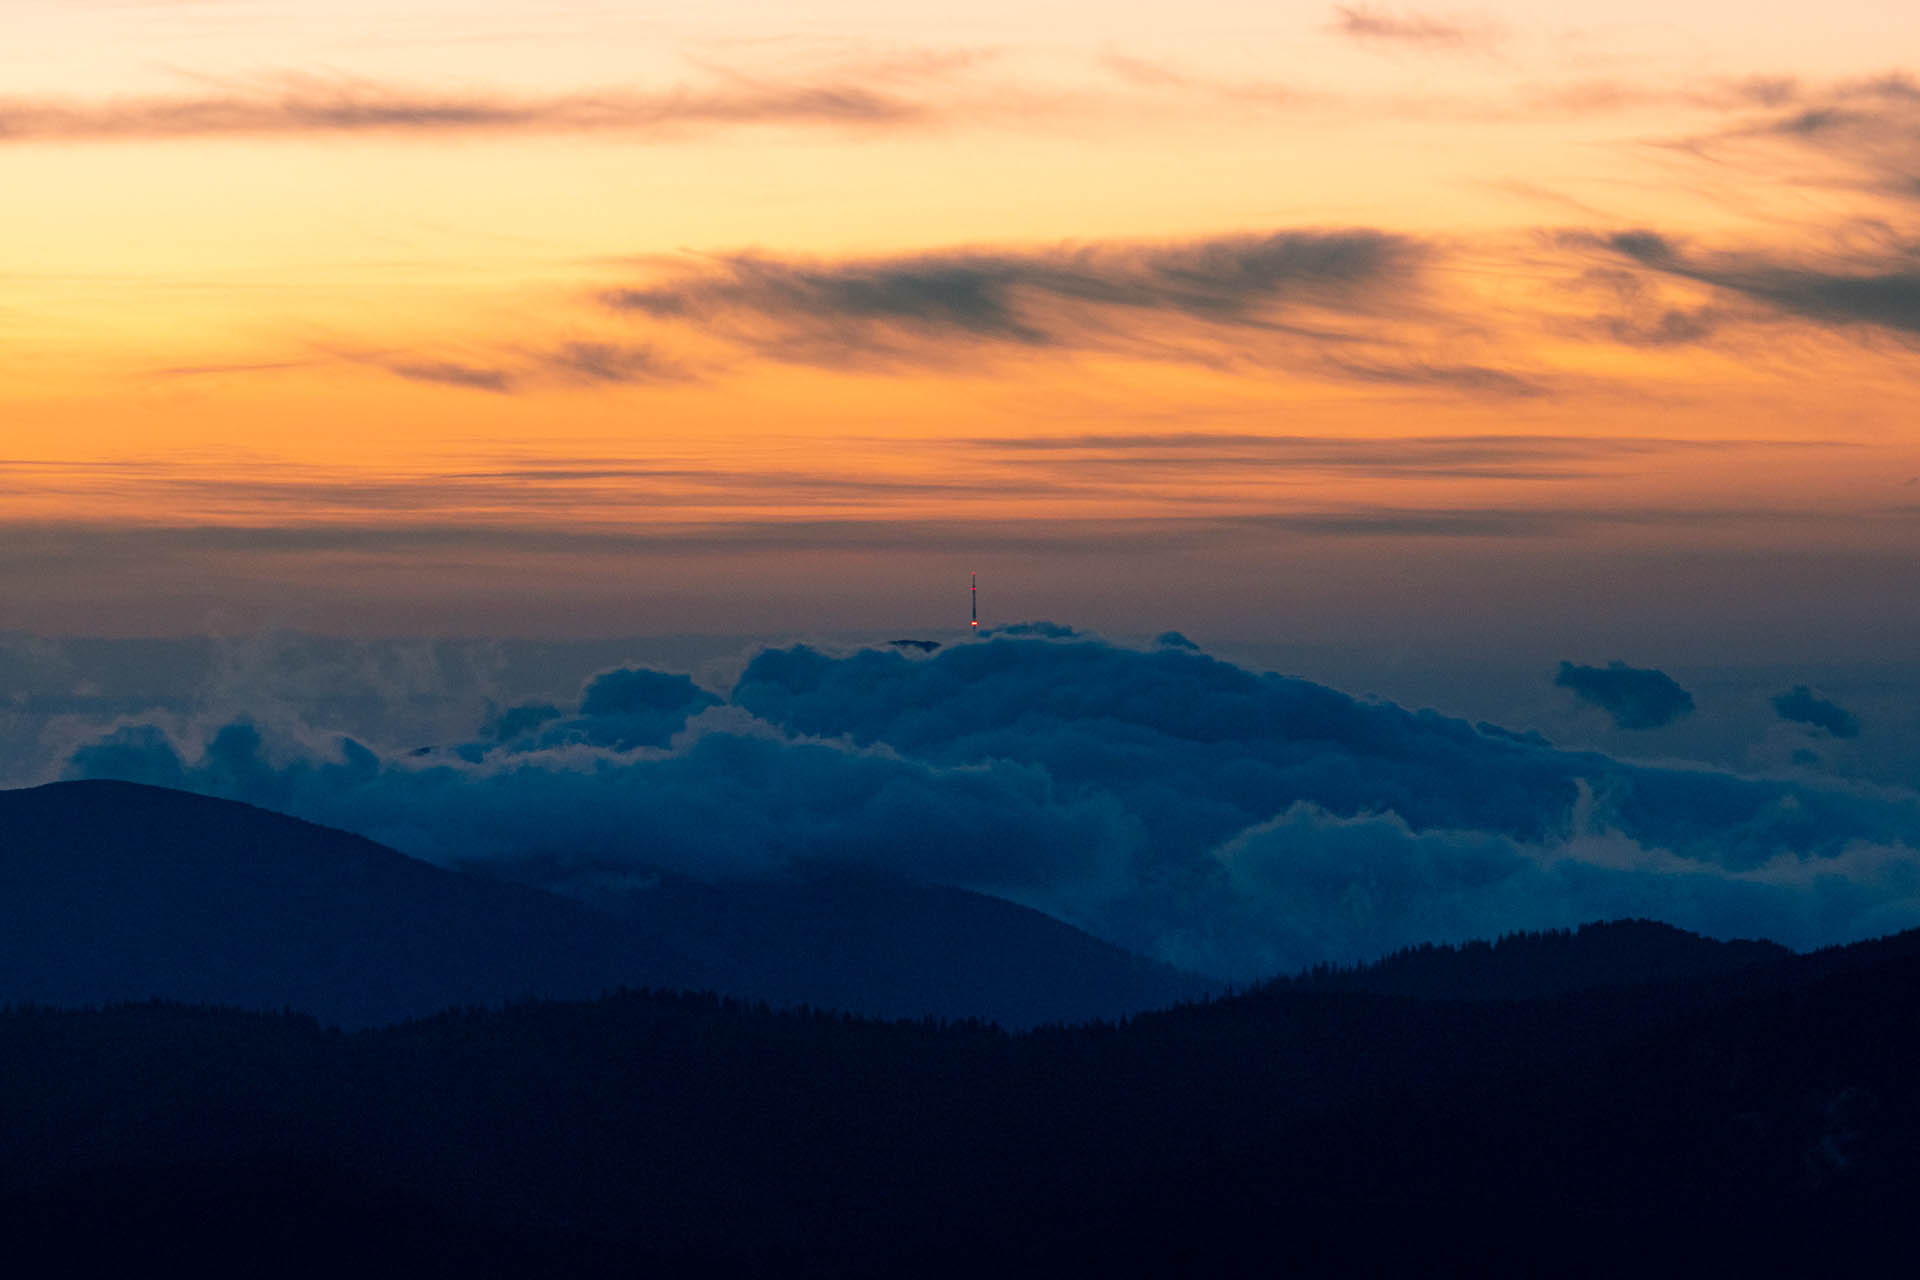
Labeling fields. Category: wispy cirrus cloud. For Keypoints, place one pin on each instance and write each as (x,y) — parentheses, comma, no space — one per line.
(1860,134)
(584,363)
(1490,456)
(610,363)
(602,496)
(1471,379)
(299,106)
(33,547)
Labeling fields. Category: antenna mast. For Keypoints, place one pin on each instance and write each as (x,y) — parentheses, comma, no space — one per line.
(974,591)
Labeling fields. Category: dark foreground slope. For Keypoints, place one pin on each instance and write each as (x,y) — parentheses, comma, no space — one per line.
(114,891)
(1770,1119)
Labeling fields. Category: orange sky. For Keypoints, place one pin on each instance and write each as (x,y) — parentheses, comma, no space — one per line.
(524,318)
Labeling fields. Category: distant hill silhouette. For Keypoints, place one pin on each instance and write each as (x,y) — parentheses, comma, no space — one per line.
(115,891)
(852,938)
(1527,966)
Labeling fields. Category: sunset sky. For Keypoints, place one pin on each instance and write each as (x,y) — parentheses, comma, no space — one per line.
(1506,323)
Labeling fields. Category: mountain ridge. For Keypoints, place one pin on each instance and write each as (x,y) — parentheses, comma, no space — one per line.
(116,891)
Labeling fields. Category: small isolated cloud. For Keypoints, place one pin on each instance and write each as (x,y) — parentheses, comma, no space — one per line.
(1366,23)
(1799,705)
(1636,697)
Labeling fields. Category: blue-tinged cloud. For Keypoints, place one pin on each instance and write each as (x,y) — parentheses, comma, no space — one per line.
(1636,697)
(516,722)
(1801,706)
(725,805)
(1229,820)
(1041,630)
(623,709)
(1313,885)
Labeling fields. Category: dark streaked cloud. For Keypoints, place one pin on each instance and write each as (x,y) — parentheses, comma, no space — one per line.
(1881,290)
(1225,300)
(1669,327)
(994,295)
(1799,704)
(1641,314)
(581,363)
(304,106)
(607,362)
(221,370)
(1889,299)
(1636,697)
(449,374)
(1475,379)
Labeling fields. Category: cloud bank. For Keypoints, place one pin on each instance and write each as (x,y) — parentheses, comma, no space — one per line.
(1235,822)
